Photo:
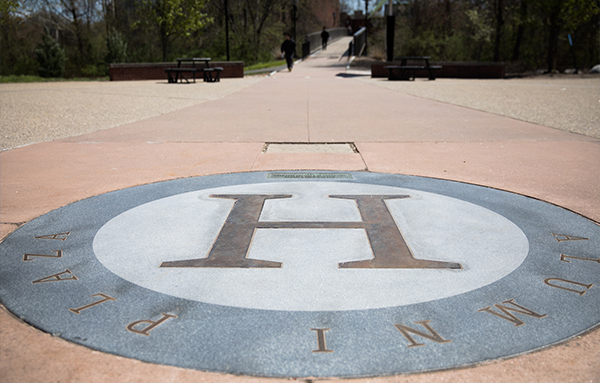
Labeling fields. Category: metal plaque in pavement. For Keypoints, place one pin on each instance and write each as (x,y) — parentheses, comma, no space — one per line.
(298,274)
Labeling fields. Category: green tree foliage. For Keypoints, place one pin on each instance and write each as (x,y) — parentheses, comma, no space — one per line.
(51,57)
(7,7)
(563,16)
(529,34)
(77,21)
(116,47)
(172,18)
(257,27)
(19,36)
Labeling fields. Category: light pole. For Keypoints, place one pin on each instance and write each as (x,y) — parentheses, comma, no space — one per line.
(390,26)
(227,28)
(294,17)
(366,24)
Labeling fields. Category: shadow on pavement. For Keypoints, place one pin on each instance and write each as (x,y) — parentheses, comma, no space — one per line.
(351,75)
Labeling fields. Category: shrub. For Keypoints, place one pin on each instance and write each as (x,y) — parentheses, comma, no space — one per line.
(116,47)
(51,57)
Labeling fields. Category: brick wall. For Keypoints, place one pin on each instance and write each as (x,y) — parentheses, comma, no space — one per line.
(450,70)
(156,71)
(324,11)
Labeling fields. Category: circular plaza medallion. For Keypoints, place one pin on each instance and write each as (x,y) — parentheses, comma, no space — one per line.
(298,274)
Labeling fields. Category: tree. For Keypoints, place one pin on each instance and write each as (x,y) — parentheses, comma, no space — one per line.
(6,8)
(173,18)
(116,47)
(480,33)
(258,16)
(51,57)
(499,16)
(560,15)
(18,39)
(521,20)
(76,16)
(253,24)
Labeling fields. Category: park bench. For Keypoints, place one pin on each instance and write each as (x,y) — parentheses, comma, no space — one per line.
(186,73)
(407,72)
(212,74)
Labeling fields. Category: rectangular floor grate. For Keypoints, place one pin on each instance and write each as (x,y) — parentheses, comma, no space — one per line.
(310,147)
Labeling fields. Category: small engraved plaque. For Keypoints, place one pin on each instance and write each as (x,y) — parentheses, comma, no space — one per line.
(310,175)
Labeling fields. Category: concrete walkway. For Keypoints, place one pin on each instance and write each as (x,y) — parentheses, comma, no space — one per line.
(317,102)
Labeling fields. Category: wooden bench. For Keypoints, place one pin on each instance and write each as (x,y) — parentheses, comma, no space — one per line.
(209,74)
(405,72)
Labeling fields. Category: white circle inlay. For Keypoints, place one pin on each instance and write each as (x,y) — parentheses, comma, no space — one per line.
(135,243)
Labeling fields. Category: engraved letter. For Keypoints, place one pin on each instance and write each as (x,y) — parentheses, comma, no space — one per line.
(27,257)
(233,242)
(321,339)
(433,335)
(547,281)
(390,251)
(57,277)
(511,317)
(105,297)
(151,324)
(564,256)
(564,237)
(59,236)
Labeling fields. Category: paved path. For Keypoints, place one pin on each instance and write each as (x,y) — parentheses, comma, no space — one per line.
(318,102)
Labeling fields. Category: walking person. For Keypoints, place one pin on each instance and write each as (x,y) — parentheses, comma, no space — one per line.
(288,48)
(324,38)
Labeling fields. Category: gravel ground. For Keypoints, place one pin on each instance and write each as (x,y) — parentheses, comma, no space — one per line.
(39,112)
(570,103)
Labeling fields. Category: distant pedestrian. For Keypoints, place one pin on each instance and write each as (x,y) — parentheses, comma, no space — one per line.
(288,48)
(350,30)
(324,38)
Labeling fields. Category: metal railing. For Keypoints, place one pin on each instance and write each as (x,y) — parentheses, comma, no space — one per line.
(358,43)
(312,42)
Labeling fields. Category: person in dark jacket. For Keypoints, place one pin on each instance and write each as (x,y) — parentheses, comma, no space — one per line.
(324,38)
(288,48)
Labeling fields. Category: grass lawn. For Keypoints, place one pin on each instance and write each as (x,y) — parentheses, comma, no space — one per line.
(270,64)
(13,79)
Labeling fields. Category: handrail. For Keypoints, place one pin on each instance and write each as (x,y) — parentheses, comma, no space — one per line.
(312,41)
(358,43)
